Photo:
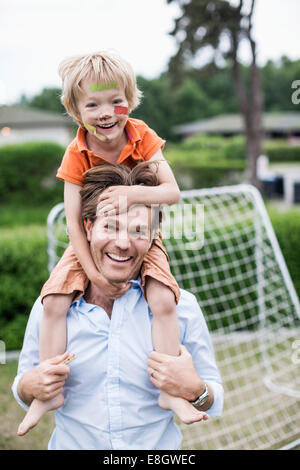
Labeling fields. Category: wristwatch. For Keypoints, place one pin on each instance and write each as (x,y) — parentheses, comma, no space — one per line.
(202,399)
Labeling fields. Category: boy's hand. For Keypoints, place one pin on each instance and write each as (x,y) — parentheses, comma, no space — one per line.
(116,200)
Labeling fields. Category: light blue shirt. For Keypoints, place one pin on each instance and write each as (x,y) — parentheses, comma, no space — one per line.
(110,402)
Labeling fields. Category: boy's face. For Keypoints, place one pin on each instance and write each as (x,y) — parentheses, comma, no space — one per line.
(103,109)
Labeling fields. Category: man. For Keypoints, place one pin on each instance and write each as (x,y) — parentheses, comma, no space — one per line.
(110,389)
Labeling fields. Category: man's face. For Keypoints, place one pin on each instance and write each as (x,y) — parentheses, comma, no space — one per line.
(118,244)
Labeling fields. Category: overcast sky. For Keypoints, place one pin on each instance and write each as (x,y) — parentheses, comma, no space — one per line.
(35,35)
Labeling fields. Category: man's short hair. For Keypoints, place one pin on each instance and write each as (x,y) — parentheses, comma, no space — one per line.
(103,67)
(105,175)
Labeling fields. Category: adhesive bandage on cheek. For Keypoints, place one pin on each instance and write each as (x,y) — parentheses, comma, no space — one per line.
(121,110)
(96,133)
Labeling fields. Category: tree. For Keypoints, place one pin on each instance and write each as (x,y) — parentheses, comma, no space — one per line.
(191,103)
(156,107)
(221,27)
(277,79)
(47,100)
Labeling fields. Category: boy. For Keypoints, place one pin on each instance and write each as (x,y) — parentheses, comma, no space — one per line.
(99,92)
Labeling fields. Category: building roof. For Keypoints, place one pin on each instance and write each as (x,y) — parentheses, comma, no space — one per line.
(233,124)
(18,117)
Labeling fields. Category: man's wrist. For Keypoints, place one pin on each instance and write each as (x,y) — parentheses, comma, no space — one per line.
(24,389)
(196,391)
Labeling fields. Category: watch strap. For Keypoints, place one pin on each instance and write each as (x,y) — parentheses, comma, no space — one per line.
(202,399)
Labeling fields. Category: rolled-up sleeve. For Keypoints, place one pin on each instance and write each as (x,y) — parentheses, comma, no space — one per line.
(29,356)
(198,342)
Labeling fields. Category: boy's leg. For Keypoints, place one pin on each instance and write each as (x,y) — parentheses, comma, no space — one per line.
(37,410)
(162,294)
(165,328)
(66,279)
(53,341)
(53,329)
(186,412)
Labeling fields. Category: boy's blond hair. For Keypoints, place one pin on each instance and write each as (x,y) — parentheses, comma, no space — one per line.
(104,67)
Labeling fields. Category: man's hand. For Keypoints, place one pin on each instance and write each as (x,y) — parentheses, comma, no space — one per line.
(175,375)
(45,381)
(116,200)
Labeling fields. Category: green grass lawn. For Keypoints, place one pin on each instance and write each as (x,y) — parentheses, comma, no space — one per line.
(12,414)
(14,215)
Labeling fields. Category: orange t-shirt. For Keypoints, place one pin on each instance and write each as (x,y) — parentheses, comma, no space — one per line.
(142,144)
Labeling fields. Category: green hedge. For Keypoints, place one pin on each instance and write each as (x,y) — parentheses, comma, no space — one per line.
(23,270)
(287,229)
(28,170)
(210,175)
(28,173)
(281,152)
(205,150)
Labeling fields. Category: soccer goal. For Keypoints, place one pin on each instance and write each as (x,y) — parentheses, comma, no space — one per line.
(223,249)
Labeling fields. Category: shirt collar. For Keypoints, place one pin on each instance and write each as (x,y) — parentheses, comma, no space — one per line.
(84,307)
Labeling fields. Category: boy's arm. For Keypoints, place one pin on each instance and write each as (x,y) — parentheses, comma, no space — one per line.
(167,192)
(76,230)
(80,244)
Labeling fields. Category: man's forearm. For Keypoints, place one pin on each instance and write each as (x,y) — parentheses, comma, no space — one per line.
(25,388)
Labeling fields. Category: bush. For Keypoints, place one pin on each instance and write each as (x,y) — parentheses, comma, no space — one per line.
(28,173)
(203,148)
(281,152)
(202,176)
(287,228)
(208,148)
(23,270)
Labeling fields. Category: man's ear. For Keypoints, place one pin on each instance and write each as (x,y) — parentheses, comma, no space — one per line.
(88,224)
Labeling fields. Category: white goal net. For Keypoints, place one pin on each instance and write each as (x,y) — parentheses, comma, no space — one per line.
(223,249)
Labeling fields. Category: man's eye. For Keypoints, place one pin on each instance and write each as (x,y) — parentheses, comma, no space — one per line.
(138,233)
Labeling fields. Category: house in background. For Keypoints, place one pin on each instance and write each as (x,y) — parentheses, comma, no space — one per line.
(18,125)
(283,125)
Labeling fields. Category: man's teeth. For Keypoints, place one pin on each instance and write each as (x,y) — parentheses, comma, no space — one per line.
(118,258)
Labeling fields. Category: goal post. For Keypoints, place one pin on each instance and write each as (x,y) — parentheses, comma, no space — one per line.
(223,249)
